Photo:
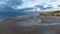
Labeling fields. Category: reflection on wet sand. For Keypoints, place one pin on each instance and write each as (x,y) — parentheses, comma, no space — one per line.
(49,32)
(17,26)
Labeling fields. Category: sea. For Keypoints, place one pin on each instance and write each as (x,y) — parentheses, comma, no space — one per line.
(7,15)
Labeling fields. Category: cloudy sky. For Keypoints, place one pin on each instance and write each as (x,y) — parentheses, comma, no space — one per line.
(21,4)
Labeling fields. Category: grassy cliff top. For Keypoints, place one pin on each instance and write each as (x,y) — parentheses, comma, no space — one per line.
(54,12)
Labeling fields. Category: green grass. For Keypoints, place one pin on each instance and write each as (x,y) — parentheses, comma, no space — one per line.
(54,12)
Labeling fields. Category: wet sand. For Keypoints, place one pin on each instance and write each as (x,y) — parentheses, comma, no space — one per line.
(14,28)
(50,19)
(8,29)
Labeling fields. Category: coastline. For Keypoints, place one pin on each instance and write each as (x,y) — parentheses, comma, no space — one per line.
(7,27)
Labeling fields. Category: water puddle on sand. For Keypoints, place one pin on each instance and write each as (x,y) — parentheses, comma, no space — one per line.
(31,22)
(49,32)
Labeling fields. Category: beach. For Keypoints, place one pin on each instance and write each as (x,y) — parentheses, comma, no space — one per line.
(38,25)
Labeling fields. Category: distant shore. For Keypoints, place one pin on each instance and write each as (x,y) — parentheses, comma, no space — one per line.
(55,13)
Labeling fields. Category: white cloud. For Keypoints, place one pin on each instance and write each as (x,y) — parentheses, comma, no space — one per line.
(28,4)
(32,4)
(54,6)
(45,3)
(2,5)
(38,9)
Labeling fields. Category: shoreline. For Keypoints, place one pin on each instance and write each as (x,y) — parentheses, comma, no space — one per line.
(42,28)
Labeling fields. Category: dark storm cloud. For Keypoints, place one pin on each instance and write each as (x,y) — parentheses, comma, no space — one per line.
(4,4)
(15,2)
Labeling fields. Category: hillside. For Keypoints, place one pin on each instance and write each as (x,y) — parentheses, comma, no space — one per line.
(55,13)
